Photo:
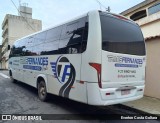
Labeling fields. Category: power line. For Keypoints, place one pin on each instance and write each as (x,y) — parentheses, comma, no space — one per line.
(107,9)
(100,3)
(22,15)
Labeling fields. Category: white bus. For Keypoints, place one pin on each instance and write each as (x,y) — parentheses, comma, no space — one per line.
(97,59)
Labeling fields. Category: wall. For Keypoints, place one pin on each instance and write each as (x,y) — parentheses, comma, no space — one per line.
(150,25)
(152,70)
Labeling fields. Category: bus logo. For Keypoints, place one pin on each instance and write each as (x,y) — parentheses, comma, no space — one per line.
(65,73)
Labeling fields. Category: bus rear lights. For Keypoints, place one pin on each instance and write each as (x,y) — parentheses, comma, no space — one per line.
(98,68)
(120,17)
(82,82)
(72,87)
(108,94)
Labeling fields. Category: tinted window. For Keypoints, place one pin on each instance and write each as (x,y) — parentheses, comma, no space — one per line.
(68,30)
(17,48)
(39,38)
(154,9)
(53,34)
(50,48)
(28,51)
(121,36)
(85,35)
(49,44)
(12,52)
(72,37)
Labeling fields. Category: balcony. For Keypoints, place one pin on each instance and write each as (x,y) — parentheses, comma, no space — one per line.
(5,32)
(5,41)
(4,52)
(5,21)
(5,27)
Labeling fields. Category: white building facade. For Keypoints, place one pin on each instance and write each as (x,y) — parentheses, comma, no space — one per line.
(15,27)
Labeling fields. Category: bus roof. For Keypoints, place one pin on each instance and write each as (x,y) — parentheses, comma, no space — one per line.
(83,15)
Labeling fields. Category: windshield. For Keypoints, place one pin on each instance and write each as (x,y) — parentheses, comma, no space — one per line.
(121,36)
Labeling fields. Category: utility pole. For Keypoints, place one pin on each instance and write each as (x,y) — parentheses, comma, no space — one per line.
(108,9)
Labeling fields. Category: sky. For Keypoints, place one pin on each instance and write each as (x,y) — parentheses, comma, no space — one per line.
(53,12)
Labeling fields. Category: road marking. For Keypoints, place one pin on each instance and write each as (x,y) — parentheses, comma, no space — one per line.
(5,76)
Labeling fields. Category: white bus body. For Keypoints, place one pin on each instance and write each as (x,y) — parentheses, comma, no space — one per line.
(97,59)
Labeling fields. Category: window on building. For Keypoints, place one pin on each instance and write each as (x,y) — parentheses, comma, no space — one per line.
(154,9)
(138,15)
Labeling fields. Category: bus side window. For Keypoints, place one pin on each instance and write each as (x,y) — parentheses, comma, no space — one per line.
(76,34)
(37,43)
(27,46)
(67,34)
(50,46)
(85,37)
(78,42)
(17,49)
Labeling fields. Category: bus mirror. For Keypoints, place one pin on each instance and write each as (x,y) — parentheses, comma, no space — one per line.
(9,47)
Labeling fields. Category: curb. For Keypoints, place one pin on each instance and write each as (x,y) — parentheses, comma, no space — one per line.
(4,69)
(138,110)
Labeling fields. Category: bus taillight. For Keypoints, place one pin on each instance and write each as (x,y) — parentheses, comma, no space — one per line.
(98,68)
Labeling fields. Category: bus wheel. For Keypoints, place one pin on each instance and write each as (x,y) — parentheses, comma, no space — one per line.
(42,91)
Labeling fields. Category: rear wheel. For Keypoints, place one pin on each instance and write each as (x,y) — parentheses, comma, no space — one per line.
(42,91)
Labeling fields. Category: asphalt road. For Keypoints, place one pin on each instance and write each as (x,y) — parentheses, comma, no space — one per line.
(19,98)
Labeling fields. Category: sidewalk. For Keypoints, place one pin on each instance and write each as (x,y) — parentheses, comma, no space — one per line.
(146,104)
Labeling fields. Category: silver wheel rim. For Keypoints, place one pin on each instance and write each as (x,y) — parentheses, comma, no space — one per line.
(42,91)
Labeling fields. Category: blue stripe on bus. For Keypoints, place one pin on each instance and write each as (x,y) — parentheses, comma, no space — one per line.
(126,65)
(38,68)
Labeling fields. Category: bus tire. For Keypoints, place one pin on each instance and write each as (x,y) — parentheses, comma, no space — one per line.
(42,91)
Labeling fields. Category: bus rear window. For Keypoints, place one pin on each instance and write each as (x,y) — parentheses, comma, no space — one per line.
(121,36)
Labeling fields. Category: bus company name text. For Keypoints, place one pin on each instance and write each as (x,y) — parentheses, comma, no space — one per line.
(125,61)
(35,63)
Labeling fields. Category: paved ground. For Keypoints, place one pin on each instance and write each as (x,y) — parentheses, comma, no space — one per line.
(19,98)
(146,104)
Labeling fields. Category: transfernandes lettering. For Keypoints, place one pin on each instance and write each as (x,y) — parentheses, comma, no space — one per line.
(37,61)
(126,60)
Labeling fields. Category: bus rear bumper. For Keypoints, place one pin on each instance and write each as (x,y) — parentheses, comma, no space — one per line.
(117,101)
(109,96)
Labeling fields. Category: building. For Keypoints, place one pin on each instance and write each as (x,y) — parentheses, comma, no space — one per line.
(15,27)
(147,15)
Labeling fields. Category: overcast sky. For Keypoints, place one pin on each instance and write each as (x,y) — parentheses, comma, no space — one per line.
(53,12)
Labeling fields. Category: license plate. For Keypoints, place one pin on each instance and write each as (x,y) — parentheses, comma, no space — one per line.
(125,92)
